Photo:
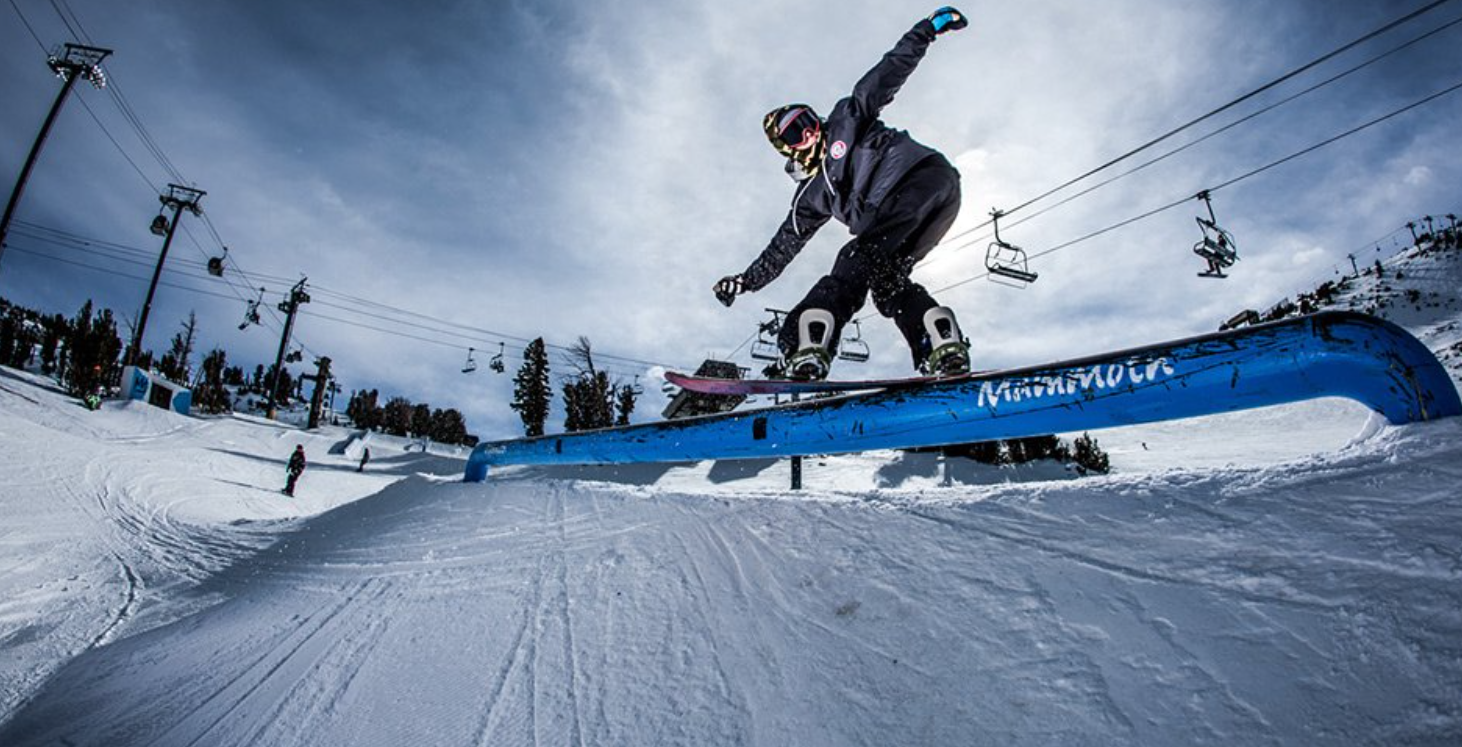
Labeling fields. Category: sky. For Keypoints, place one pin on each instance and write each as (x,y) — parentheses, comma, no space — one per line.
(475,174)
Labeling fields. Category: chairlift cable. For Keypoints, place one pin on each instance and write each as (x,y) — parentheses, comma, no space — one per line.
(1267,86)
(1205,138)
(25,22)
(1228,183)
(122,253)
(1225,107)
(1341,136)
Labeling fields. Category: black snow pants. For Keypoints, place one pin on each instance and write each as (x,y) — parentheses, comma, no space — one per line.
(909,224)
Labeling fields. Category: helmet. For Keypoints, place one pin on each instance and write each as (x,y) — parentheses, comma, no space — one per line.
(792,128)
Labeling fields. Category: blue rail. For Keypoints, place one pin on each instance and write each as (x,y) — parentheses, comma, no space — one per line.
(1333,354)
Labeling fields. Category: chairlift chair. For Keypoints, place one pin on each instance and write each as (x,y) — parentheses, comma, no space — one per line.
(215,264)
(1217,245)
(251,314)
(1006,262)
(470,364)
(854,348)
(765,348)
(496,364)
(159,225)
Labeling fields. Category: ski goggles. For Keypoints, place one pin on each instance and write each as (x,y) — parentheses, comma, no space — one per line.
(798,128)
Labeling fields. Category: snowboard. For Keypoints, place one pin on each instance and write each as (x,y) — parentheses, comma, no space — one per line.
(712,385)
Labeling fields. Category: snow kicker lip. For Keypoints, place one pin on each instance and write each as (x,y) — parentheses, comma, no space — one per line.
(1331,354)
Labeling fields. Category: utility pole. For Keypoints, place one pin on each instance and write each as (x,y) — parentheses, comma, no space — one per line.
(76,62)
(179,199)
(290,306)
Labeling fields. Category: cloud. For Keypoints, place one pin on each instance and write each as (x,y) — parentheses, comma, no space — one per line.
(513,169)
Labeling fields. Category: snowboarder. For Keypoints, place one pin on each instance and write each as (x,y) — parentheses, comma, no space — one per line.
(295,468)
(896,196)
(365,459)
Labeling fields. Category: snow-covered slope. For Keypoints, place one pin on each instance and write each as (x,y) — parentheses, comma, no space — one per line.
(1283,576)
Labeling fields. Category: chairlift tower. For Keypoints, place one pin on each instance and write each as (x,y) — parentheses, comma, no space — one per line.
(178,199)
(290,306)
(75,61)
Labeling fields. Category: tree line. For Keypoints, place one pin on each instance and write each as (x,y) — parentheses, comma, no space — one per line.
(1084,454)
(84,354)
(401,417)
(591,399)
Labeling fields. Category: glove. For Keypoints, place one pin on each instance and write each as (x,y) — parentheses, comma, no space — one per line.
(728,288)
(948,19)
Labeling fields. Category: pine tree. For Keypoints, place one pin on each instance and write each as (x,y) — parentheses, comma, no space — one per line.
(210,395)
(1089,457)
(92,349)
(9,329)
(448,427)
(421,421)
(363,410)
(625,404)
(1022,450)
(396,416)
(175,364)
(589,397)
(284,386)
(532,390)
(589,402)
(54,331)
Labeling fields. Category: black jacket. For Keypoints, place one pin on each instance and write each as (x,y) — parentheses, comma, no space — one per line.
(864,161)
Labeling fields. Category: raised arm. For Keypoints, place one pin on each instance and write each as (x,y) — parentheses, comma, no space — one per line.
(878,86)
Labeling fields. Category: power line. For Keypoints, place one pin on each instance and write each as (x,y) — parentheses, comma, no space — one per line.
(114,273)
(468,335)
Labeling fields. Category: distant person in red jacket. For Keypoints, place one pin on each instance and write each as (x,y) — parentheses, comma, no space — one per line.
(295,468)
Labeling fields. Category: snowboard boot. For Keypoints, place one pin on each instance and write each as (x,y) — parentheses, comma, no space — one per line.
(949,353)
(813,359)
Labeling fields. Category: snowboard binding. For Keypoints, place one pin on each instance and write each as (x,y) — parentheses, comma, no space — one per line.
(949,351)
(813,359)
